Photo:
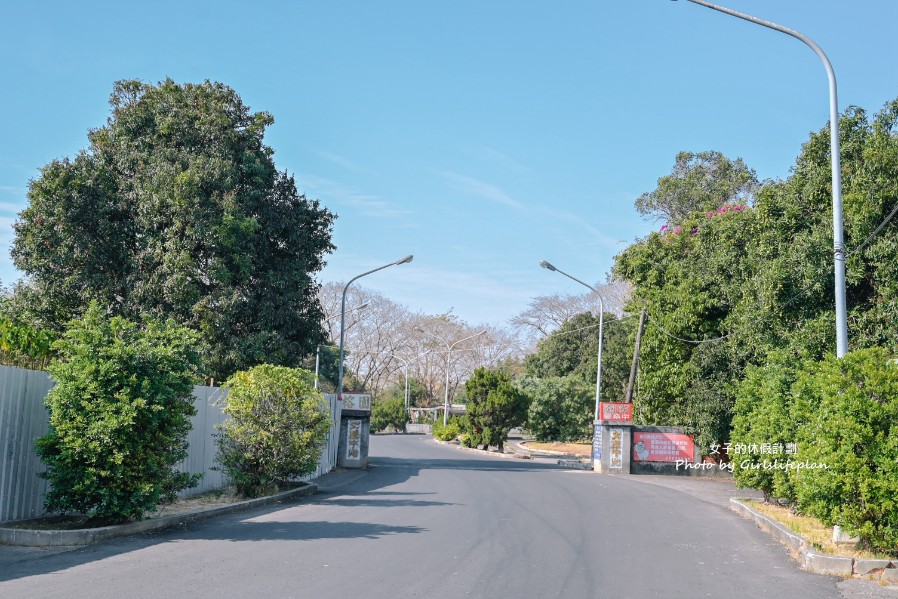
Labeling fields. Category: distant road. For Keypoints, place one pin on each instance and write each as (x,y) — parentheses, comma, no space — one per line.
(432,521)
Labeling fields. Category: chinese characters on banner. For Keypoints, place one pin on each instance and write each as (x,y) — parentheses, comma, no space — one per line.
(354,439)
(360,402)
(662,447)
(618,411)
(617,455)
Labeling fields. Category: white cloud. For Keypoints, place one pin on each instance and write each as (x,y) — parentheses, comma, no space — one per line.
(329,191)
(342,161)
(483,190)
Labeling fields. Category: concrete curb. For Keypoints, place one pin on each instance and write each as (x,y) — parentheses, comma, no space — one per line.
(810,560)
(506,456)
(86,536)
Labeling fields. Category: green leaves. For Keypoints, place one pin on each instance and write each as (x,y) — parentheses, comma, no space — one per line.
(561,408)
(495,406)
(119,416)
(388,414)
(762,277)
(277,427)
(177,210)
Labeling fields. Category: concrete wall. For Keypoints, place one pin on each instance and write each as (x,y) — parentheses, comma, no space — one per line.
(24,418)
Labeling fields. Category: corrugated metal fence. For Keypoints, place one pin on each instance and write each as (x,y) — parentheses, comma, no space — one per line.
(23,418)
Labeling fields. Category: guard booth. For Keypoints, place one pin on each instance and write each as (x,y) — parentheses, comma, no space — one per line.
(620,447)
(612,438)
(355,430)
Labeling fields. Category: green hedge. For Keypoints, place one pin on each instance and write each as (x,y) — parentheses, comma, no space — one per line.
(842,416)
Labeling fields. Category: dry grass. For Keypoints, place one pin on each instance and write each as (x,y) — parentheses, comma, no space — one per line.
(581,450)
(817,534)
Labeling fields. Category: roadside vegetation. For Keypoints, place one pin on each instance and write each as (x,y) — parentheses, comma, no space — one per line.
(276,428)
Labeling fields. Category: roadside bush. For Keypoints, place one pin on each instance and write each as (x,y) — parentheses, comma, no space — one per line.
(763,419)
(388,414)
(561,408)
(451,430)
(848,411)
(277,427)
(119,416)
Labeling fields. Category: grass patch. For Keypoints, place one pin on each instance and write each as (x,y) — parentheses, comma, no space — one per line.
(818,535)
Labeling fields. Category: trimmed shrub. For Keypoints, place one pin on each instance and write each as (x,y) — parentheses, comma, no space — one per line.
(848,416)
(388,414)
(119,416)
(277,427)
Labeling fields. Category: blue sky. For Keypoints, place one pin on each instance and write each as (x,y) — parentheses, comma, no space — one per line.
(480,136)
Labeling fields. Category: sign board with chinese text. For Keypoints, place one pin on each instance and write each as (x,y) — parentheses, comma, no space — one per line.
(356,402)
(354,440)
(662,447)
(617,448)
(615,411)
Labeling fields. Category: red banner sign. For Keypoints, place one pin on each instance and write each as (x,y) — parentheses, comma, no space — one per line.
(662,447)
(616,411)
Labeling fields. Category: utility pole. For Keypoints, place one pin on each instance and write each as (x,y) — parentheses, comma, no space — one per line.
(629,398)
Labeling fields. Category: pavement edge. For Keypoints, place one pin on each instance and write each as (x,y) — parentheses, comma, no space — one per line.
(834,565)
(86,536)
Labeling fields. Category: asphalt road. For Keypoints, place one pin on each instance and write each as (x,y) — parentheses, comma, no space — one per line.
(431,521)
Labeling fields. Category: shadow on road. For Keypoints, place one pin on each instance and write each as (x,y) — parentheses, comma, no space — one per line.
(250,525)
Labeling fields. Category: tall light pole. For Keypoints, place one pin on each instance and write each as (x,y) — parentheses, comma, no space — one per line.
(449,348)
(406,363)
(405,260)
(318,349)
(548,266)
(838,239)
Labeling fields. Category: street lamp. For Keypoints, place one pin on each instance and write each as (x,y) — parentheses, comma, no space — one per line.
(405,260)
(318,348)
(838,239)
(448,356)
(406,363)
(548,266)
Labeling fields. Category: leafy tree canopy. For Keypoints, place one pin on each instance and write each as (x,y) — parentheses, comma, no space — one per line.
(572,351)
(759,279)
(698,182)
(176,209)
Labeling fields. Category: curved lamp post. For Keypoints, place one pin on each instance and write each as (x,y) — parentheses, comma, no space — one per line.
(548,266)
(449,348)
(405,260)
(838,239)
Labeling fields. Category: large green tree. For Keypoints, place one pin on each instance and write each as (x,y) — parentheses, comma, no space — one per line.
(176,209)
(727,287)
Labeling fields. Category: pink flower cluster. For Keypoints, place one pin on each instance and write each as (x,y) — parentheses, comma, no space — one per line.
(727,208)
(722,210)
(674,231)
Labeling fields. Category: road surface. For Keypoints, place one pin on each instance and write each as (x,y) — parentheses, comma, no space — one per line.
(429,520)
